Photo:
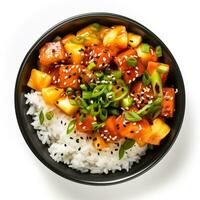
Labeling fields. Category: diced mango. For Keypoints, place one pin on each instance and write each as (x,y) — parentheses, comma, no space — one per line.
(65,105)
(51,94)
(39,80)
(98,142)
(116,37)
(146,56)
(75,51)
(159,130)
(134,40)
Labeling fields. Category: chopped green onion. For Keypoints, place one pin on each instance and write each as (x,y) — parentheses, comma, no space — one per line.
(132,116)
(156,83)
(82,117)
(73,102)
(79,39)
(125,146)
(86,95)
(163,68)
(114,104)
(158,51)
(149,107)
(71,126)
(91,66)
(117,74)
(103,114)
(120,90)
(41,117)
(83,87)
(126,102)
(98,90)
(98,74)
(69,91)
(96,27)
(145,48)
(114,111)
(57,38)
(110,96)
(146,78)
(131,62)
(128,144)
(49,115)
(121,153)
(97,125)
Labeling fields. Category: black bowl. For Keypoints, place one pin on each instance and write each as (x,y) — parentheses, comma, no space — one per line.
(72,25)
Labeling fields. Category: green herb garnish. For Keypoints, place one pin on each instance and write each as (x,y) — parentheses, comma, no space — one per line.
(158,51)
(126,102)
(131,62)
(49,115)
(69,91)
(145,48)
(156,83)
(163,69)
(97,125)
(41,117)
(57,38)
(146,78)
(73,102)
(117,74)
(71,126)
(125,146)
(132,116)
(91,66)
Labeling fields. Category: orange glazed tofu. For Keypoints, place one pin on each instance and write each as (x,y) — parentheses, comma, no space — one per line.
(51,53)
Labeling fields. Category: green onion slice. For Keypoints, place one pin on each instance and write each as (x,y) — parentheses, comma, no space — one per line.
(125,146)
(132,116)
(41,117)
(126,102)
(69,91)
(86,95)
(114,111)
(158,51)
(57,38)
(131,62)
(103,114)
(83,87)
(98,90)
(146,78)
(73,102)
(145,48)
(120,90)
(156,83)
(117,74)
(91,66)
(49,115)
(97,126)
(163,68)
(98,74)
(71,126)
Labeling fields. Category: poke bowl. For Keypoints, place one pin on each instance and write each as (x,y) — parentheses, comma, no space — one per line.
(99,99)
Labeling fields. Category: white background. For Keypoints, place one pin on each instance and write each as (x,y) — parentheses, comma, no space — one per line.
(22,174)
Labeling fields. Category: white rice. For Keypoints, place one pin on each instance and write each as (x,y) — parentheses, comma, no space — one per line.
(76,150)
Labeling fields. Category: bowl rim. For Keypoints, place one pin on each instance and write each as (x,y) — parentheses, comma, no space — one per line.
(20,122)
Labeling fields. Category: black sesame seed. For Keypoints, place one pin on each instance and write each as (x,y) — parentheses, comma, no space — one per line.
(116,149)
(74,74)
(95,139)
(79,148)
(69,76)
(90,138)
(131,131)
(98,153)
(71,138)
(65,145)
(81,138)
(55,154)
(77,140)
(61,122)
(98,145)
(111,152)
(61,154)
